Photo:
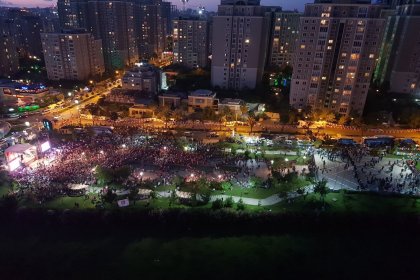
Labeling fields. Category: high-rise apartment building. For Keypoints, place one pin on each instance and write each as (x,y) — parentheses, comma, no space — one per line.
(153,22)
(399,60)
(9,58)
(239,44)
(284,35)
(129,29)
(190,41)
(336,54)
(26,29)
(73,14)
(72,55)
(111,21)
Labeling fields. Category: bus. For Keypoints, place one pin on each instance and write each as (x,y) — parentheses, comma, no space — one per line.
(379,141)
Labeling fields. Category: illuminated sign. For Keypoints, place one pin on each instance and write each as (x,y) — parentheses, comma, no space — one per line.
(47,124)
(45,146)
(28,108)
(14,164)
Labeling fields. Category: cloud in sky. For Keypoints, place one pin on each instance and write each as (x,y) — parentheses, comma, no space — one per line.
(6,3)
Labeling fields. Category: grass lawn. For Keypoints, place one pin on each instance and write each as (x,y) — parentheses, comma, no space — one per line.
(68,203)
(260,193)
(162,188)
(418,166)
(356,203)
(3,190)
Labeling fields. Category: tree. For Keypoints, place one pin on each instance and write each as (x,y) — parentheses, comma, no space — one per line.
(113,116)
(240,206)
(179,114)
(323,114)
(153,195)
(217,204)
(104,175)
(221,119)
(173,198)
(321,189)
(209,114)
(227,112)
(244,109)
(165,115)
(342,120)
(226,185)
(109,196)
(255,182)
(228,202)
(251,121)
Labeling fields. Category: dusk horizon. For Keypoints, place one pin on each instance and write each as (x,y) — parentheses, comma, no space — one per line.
(210,5)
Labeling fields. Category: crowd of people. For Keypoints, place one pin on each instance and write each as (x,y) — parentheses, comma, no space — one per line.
(370,171)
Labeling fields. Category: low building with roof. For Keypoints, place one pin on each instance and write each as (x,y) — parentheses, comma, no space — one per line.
(202,98)
(172,99)
(234,105)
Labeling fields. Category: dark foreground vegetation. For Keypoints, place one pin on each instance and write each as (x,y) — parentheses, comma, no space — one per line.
(202,244)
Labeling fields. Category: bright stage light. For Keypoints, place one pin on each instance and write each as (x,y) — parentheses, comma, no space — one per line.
(14,164)
(45,146)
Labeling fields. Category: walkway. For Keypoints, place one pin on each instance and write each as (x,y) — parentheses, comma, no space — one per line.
(268,201)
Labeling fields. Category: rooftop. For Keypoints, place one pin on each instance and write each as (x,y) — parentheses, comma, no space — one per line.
(232,101)
(203,93)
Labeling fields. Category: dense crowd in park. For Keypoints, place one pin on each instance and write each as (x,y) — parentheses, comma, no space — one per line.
(371,172)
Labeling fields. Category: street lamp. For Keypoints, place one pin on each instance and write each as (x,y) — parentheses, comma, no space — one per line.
(192,175)
(272,162)
(124,146)
(286,159)
(165,148)
(101,152)
(141,174)
(27,124)
(76,101)
(69,93)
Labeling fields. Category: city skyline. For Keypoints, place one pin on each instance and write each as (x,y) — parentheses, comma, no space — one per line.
(210,5)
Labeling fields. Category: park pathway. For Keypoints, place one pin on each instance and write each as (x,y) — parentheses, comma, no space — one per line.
(268,201)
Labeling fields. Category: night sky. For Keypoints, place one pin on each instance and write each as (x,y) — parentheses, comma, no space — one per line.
(209,4)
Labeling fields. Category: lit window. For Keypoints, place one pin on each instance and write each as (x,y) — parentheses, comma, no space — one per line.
(354,56)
